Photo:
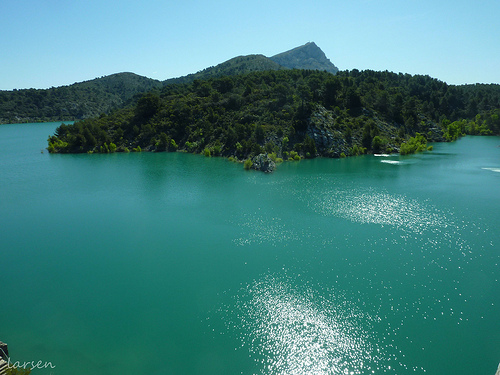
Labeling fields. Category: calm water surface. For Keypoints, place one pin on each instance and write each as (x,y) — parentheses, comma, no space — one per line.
(174,263)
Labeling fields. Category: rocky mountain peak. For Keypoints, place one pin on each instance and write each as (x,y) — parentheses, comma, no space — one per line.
(308,56)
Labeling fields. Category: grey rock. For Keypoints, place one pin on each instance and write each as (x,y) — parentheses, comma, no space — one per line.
(264,163)
(308,56)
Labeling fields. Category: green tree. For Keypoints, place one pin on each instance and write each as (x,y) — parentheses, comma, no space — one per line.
(414,144)
(248,164)
(309,146)
(332,88)
(147,106)
(377,144)
(366,141)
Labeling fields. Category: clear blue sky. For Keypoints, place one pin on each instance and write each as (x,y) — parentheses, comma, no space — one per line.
(46,43)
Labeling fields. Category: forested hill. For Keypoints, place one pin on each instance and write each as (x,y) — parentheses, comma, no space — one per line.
(291,114)
(77,101)
(235,66)
(309,56)
(101,95)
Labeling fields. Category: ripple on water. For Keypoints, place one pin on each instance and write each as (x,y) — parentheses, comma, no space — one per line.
(295,330)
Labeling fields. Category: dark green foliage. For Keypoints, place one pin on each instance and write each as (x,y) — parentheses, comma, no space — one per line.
(235,66)
(308,147)
(378,144)
(366,141)
(78,101)
(285,111)
(147,106)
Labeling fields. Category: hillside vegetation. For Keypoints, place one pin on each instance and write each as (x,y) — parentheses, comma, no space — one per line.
(235,66)
(102,95)
(291,114)
(73,102)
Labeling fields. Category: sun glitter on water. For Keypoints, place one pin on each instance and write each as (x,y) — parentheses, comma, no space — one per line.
(295,330)
(379,207)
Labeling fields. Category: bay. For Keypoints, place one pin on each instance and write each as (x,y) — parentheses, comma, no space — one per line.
(172,263)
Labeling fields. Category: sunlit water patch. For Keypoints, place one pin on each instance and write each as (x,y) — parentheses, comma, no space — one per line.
(380,207)
(408,244)
(298,330)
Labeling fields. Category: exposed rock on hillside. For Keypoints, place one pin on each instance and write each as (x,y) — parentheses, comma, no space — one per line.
(328,140)
(308,56)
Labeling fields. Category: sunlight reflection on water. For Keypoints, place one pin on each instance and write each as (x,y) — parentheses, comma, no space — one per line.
(295,330)
(379,207)
(411,257)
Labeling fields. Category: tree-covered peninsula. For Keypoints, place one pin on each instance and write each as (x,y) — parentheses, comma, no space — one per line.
(290,114)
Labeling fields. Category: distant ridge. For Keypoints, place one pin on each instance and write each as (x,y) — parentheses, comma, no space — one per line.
(308,56)
(77,101)
(236,65)
(102,95)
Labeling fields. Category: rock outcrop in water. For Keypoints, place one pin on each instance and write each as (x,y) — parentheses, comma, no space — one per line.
(264,163)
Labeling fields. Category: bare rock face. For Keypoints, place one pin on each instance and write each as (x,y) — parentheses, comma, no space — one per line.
(321,128)
(264,163)
(308,56)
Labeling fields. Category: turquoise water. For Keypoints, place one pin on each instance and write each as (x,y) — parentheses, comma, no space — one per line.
(175,263)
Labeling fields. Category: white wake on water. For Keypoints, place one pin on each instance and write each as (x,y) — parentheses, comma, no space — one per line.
(492,169)
(395,162)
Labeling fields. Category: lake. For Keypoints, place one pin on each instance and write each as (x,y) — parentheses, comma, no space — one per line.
(173,263)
